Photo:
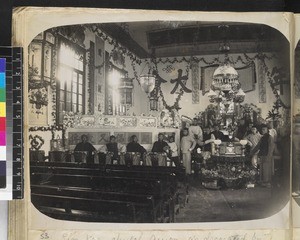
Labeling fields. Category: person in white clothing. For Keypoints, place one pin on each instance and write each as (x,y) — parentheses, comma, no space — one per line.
(187,145)
(173,151)
(195,130)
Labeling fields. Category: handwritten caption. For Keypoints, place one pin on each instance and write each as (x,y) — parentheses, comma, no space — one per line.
(77,235)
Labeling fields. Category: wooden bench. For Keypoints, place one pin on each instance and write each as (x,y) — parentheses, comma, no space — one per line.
(146,207)
(155,187)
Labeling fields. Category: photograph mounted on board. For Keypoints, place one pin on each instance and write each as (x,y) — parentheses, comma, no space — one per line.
(159,122)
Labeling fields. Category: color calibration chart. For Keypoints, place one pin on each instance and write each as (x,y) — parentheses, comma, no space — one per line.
(11,125)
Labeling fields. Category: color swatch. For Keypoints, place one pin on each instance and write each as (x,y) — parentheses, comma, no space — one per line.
(2,123)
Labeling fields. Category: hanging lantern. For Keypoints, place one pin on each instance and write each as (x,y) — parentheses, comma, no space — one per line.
(147,82)
(153,103)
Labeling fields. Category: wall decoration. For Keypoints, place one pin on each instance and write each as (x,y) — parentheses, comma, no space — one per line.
(99,74)
(247,77)
(103,138)
(74,33)
(169,119)
(195,82)
(127,122)
(121,137)
(261,83)
(146,138)
(108,89)
(117,56)
(95,138)
(147,122)
(36,142)
(168,69)
(180,81)
(38,98)
(106,121)
(101,34)
(91,78)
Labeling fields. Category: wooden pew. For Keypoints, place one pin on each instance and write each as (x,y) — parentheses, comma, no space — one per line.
(158,183)
(139,208)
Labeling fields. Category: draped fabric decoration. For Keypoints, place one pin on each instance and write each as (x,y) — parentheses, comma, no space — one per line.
(261,75)
(195,82)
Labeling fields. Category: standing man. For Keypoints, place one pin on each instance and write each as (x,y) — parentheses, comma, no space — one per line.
(195,130)
(253,139)
(187,145)
(85,146)
(265,156)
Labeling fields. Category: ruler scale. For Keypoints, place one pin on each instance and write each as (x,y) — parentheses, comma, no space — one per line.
(17,123)
(14,123)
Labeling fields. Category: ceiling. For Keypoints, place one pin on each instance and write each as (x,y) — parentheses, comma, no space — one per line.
(179,38)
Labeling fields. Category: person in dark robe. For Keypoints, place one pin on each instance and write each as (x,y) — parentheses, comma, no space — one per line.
(160,146)
(265,155)
(114,147)
(249,129)
(85,146)
(208,138)
(241,131)
(217,133)
(134,146)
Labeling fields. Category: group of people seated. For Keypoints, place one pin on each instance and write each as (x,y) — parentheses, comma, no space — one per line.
(260,145)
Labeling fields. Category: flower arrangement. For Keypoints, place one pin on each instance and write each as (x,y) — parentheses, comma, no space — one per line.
(38,98)
(230,171)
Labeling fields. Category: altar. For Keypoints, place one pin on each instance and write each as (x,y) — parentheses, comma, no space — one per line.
(228,167)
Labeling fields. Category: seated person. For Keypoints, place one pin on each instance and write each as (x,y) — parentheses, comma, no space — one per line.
(113,147)
(134,146)
(160,146)
(174,151)
(217,134)
(85,146)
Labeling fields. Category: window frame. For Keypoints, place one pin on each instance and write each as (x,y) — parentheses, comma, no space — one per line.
(79,49)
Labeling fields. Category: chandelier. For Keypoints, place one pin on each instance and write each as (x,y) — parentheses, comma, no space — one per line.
(225,87)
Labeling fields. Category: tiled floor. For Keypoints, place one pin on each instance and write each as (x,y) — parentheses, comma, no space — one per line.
(231,205)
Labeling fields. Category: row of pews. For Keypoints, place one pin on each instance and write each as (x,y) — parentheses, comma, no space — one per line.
(107,193)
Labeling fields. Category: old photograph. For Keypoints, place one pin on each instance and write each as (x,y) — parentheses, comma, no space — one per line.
(296,132)
(159,122)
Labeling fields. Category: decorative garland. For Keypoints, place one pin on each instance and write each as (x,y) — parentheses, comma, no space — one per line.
(181,91)
(115,44)
(216,60)
(54,85)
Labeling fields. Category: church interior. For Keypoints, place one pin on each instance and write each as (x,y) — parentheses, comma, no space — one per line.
(159,121)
